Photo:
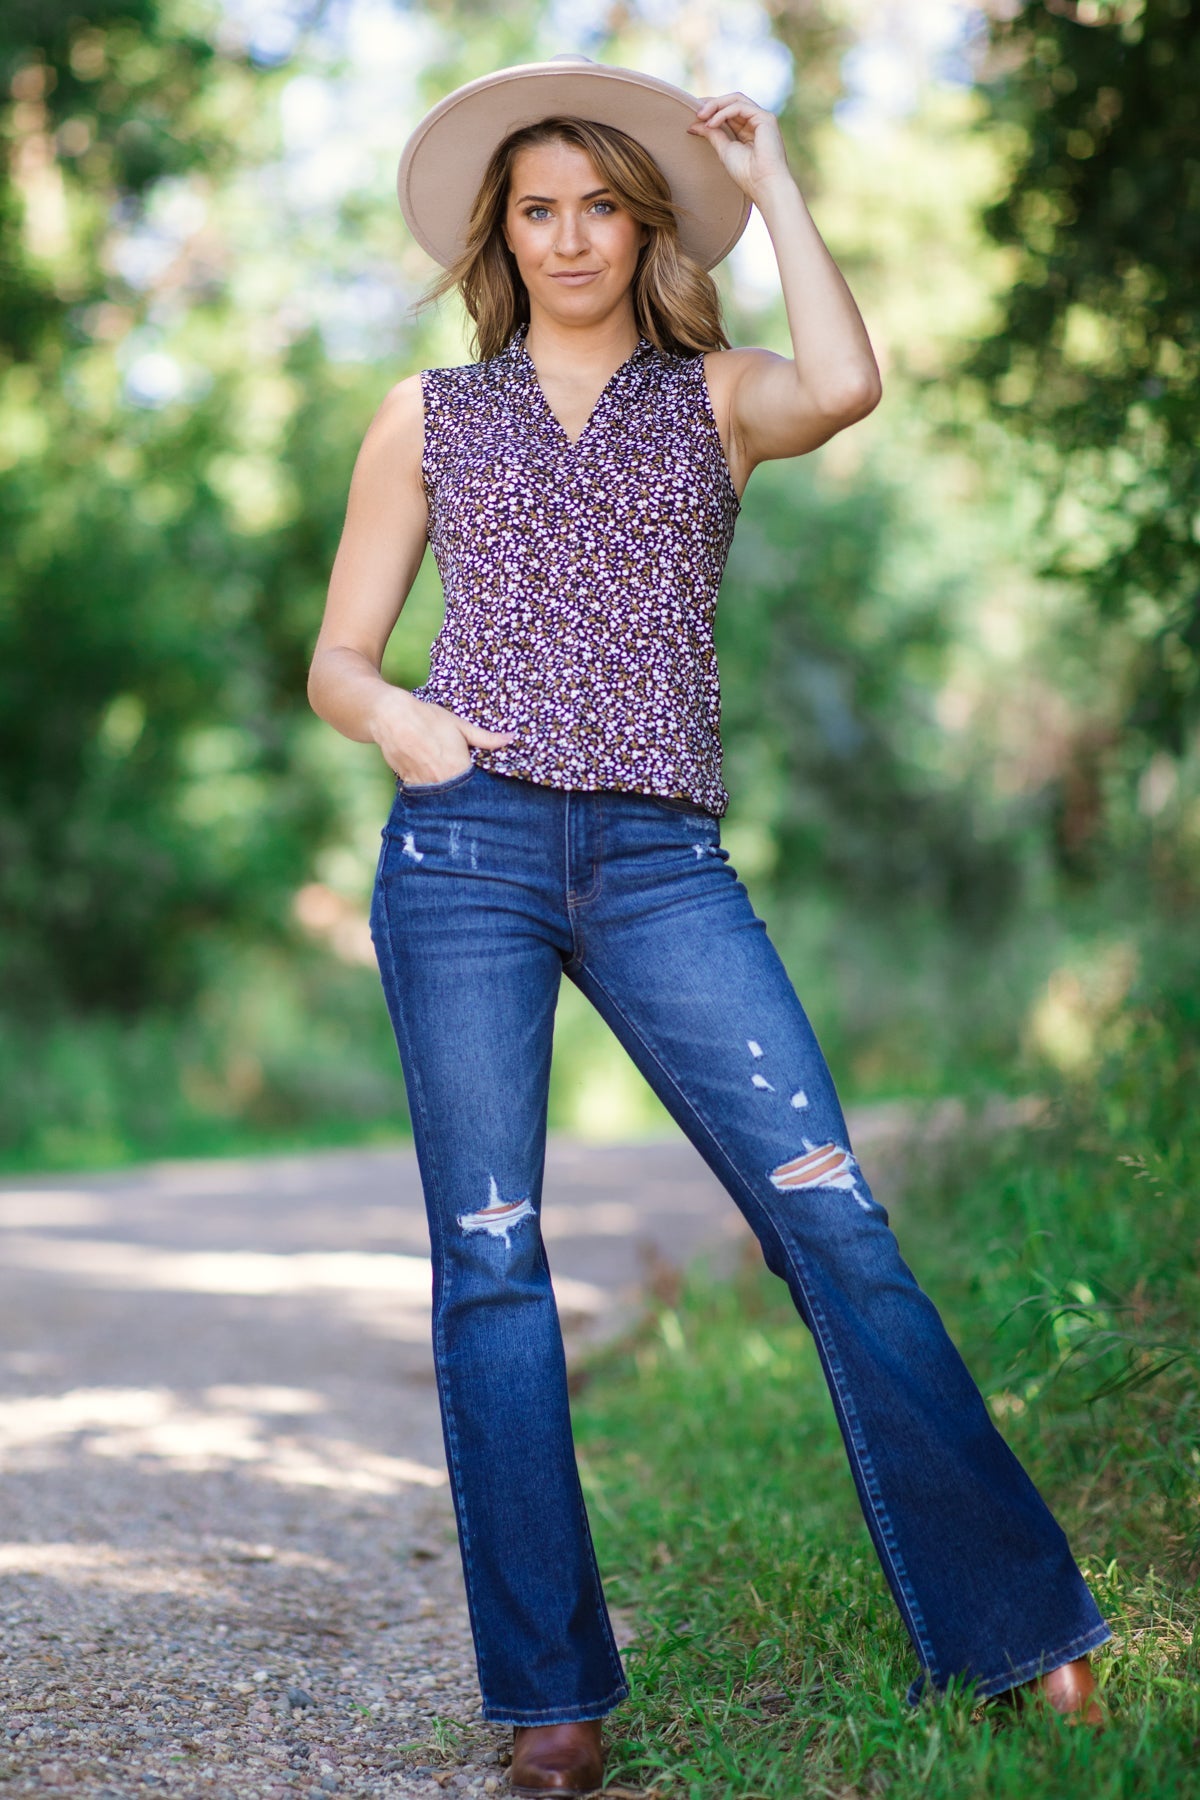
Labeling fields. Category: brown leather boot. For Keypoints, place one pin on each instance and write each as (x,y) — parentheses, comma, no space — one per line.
(557,1759)
(1070,1690)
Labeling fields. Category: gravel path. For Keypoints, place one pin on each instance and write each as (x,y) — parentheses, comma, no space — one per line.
(228,1564)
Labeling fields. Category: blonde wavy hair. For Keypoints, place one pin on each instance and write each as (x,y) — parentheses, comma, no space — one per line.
(675,302)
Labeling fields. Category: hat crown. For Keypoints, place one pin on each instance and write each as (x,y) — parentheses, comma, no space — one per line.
(446,156)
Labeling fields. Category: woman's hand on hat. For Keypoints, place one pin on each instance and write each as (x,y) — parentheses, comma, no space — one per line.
(747,139)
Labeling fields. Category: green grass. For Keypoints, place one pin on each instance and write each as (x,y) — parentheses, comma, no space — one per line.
(769,1659)
(284,1050)
(285,1047)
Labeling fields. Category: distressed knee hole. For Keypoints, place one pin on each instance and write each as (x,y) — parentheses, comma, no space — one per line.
(499,1216)
(821,1166)
(826,1166)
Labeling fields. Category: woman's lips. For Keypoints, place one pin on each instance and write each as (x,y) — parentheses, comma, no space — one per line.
(576,277)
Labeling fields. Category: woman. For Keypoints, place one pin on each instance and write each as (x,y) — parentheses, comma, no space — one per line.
(557,810)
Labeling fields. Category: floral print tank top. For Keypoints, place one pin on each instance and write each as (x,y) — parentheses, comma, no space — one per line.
(581,578)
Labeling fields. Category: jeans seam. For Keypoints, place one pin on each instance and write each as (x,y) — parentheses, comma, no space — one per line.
(988,1685)
(602,1618)
(686,808)
(902,1585)
(914,1618)
(576,955)
(686,1098)
(444,1282)
(555,1715)
(601,1608)
(587,1709)
(574,899)
(418,790)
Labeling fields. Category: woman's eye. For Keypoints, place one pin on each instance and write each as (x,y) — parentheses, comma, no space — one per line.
(604,206)
(536,212)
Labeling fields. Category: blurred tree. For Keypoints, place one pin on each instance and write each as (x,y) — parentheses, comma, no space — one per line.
(105,97)
(202,300)
(817,35)
(1096,352)
(831,635)
(146,717)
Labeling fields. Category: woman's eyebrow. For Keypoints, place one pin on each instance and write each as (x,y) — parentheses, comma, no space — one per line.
(548,199)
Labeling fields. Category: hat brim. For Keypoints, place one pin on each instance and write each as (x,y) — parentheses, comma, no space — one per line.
(445,158)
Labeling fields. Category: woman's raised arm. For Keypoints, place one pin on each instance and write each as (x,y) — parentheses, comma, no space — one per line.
(774,406)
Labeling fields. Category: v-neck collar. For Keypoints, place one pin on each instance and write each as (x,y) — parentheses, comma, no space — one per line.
(523,362)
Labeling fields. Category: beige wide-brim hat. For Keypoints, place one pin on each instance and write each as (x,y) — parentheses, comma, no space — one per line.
(445,158)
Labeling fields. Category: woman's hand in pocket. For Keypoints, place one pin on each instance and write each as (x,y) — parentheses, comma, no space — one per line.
(424,743)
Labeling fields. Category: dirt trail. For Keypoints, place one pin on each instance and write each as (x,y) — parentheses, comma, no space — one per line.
(228,1563)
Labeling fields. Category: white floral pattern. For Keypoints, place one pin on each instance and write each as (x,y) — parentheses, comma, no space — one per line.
(581,578)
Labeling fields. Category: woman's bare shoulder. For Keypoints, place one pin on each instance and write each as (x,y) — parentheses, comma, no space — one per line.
(400,420)
(724,369)
(395,436)
(400,409)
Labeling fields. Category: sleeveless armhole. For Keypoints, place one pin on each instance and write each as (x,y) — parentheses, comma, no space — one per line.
(709,415)
(430,459)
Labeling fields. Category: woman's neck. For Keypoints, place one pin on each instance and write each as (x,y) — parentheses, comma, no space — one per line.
(601,345)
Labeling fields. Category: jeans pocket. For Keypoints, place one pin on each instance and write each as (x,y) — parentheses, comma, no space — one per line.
(680,806)
(414,790)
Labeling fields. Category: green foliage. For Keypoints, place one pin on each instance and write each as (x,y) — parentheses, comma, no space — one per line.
(107,99)
(1095,353)
(150,679)
(769,1659)
(285,1048)
(920,739)
(830,650)
(145,722)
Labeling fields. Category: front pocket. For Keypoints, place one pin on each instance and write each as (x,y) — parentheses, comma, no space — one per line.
(415,790)
(680,806)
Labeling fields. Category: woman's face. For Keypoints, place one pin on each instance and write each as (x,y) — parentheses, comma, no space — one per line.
(575,245)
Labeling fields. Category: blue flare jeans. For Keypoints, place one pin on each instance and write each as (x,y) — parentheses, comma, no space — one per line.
(488,890)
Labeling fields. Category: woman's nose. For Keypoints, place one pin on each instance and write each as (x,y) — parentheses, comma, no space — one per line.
(570,239)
